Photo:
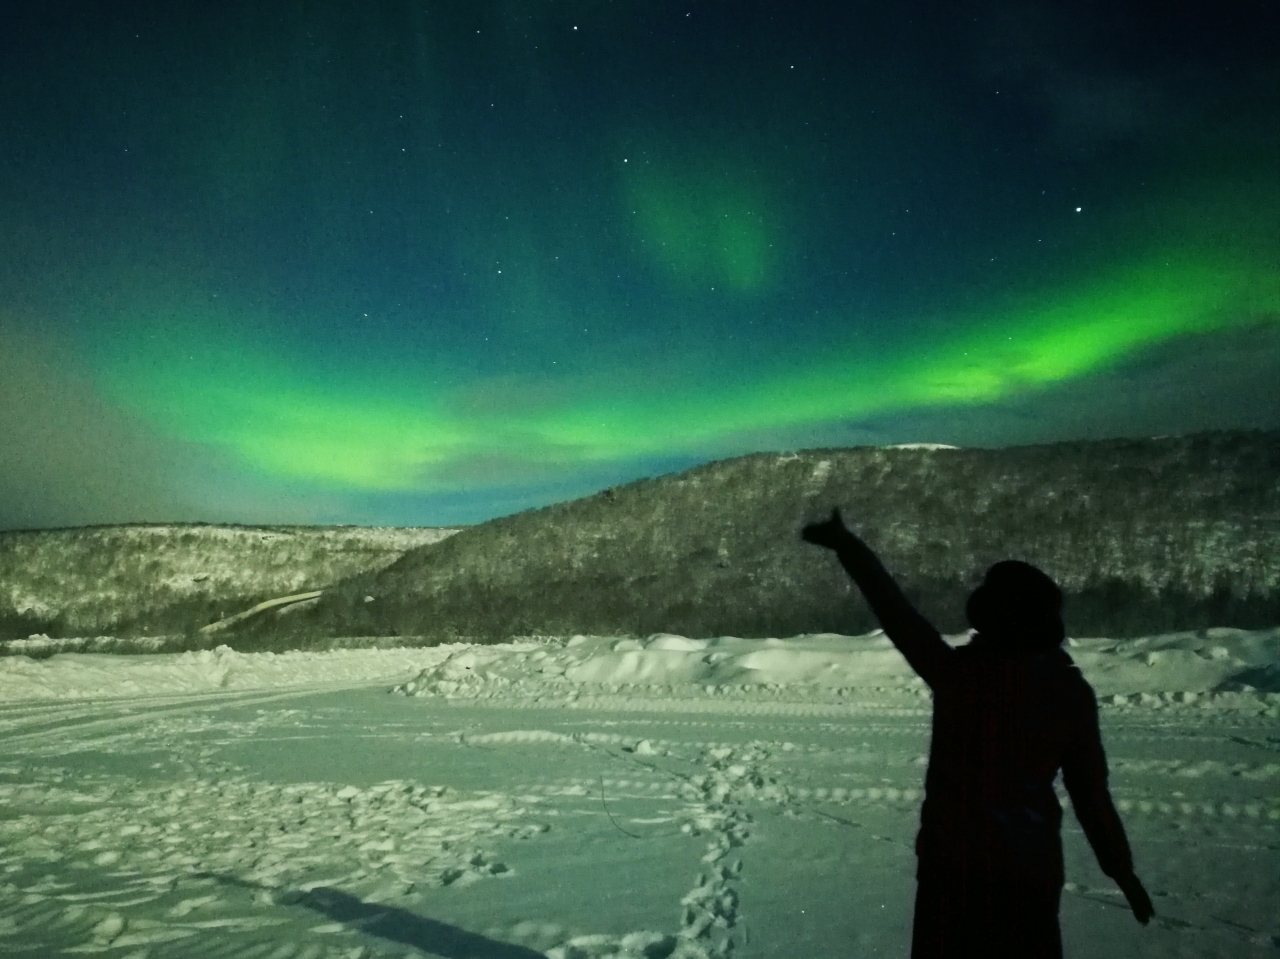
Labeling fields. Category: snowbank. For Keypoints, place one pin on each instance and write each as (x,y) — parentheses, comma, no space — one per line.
(1176,667)
(93,675)
(1186,667)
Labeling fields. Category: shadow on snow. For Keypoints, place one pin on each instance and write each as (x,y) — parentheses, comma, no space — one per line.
(390,922)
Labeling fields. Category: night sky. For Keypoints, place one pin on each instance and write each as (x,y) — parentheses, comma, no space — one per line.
(429,263)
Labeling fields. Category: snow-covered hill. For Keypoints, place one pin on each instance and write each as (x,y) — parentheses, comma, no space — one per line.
(155,579)
(1144,536)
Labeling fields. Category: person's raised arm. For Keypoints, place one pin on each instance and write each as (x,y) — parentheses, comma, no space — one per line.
(915,637)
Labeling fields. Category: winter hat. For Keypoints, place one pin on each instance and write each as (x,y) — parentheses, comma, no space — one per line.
(1018,602)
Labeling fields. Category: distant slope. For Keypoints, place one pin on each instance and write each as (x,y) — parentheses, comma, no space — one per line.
(1143,535)
(132,580)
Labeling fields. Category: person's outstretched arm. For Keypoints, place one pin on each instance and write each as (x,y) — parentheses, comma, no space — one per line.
(915,637)
(1084,773)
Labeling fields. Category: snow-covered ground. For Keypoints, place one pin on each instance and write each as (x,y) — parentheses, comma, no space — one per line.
(586,798)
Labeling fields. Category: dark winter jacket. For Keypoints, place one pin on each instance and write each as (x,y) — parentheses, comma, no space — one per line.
(1004,723)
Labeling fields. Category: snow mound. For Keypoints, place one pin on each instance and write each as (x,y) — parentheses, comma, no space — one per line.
(1185,668)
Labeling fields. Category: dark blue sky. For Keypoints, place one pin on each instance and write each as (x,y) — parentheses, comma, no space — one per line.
(430,263)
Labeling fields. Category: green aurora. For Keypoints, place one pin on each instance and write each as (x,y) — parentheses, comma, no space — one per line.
(251,399)
(549,252)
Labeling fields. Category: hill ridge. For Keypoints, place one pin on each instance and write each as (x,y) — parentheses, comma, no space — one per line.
(1142,534)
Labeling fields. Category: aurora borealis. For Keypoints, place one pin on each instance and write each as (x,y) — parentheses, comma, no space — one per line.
(423,264)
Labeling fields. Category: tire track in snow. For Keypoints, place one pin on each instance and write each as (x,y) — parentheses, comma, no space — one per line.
(106,715)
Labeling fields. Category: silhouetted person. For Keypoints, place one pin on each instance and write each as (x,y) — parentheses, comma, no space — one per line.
(1010,710)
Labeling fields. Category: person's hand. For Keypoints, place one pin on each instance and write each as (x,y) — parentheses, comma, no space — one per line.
(1139,901)
(831,533)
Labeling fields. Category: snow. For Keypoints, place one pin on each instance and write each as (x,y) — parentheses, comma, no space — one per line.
(586,797)
(90,676)
(1189,662)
